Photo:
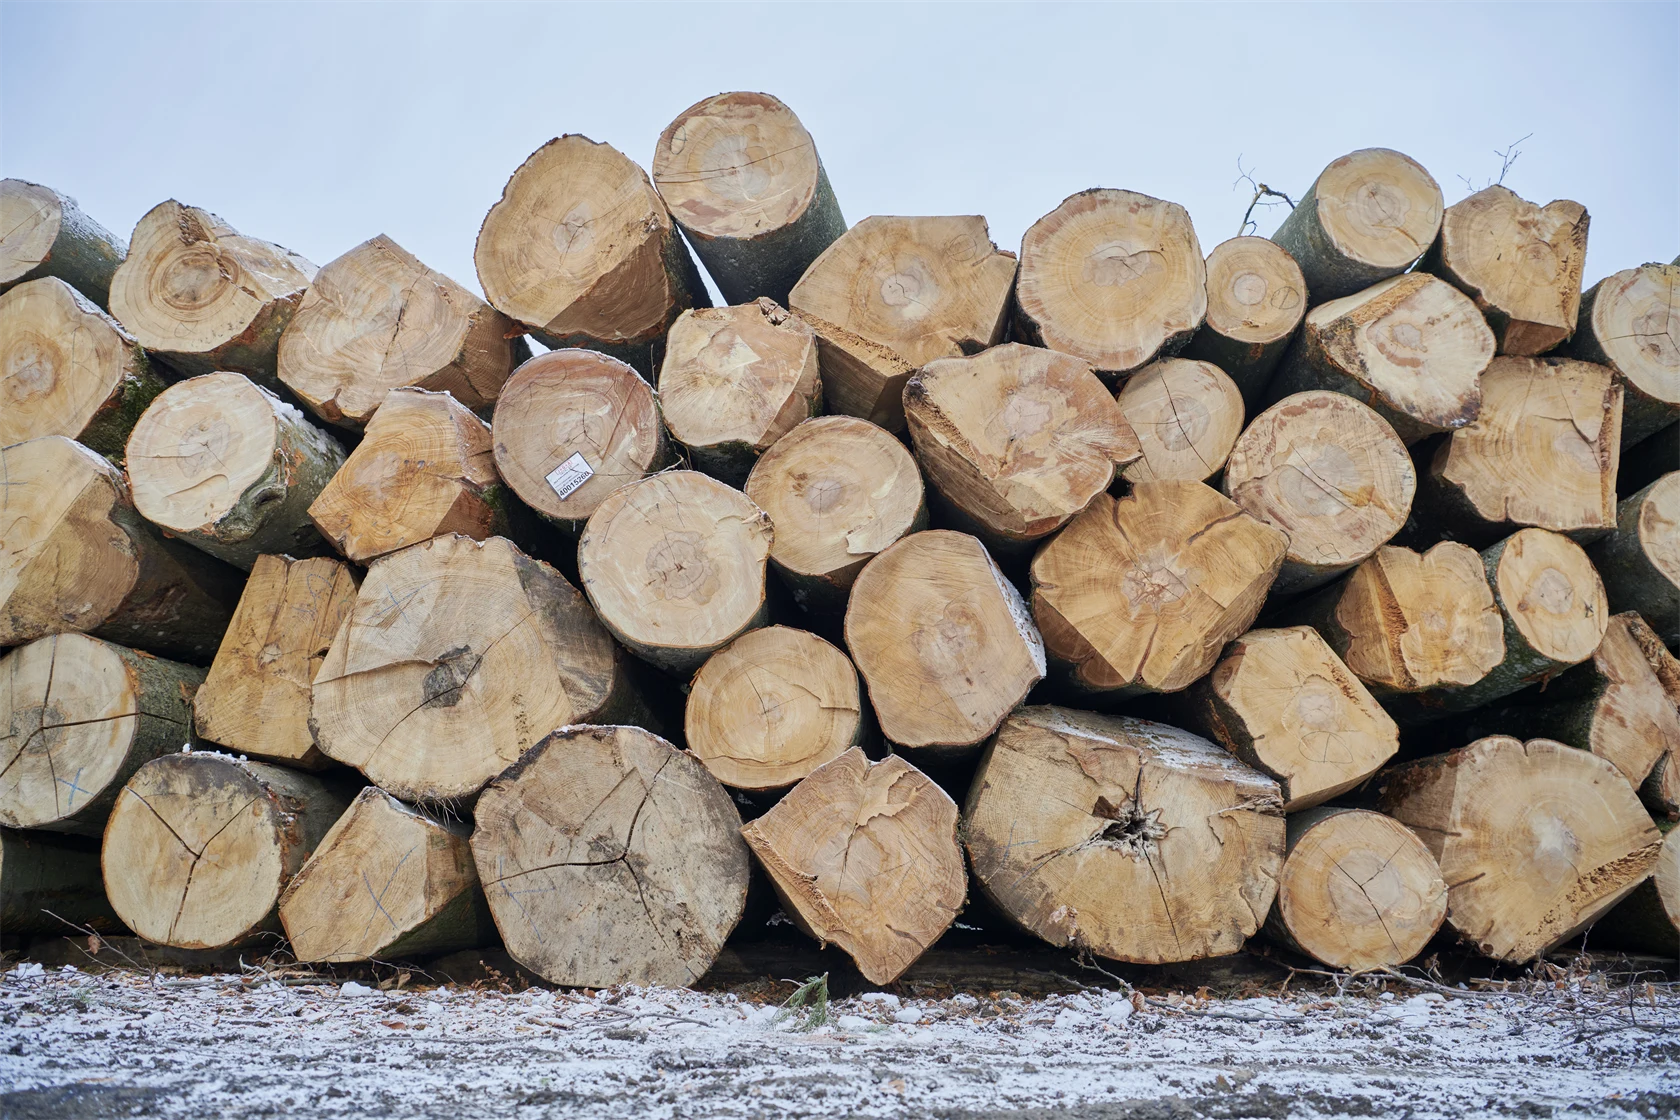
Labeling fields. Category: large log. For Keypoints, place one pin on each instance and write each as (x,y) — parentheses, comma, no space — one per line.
(69,369)
(1113,277)
(581,250)
(44,233)
(743,179)
(1640,559)
(610,857)
(221,463)
(387,881)
(1535,840)
(1130,839)
(1628,323)
(205,298)
(1661,790)
(51,886)
(1367,217)
(1141,594)
(893,294)
(377,319)
(865,855)
(256,699)
(1330,473)
(74,555)
(78,717)
(200,845)
(943,640)
(1186,415)
(1256,297)
(839,490)
(1648,920)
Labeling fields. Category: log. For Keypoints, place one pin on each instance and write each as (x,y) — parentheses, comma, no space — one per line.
(1284,703)
(674,566)
(377,319)
(1141,594)
(865,855)
(205,298)
(1661,791)
(456,658)
(1359,891)
(1017,439)
(743,179)
(1176,858)
(893,294)
(1640,558)
(1520,262)
(1648,919)
(943,641)
(572,426)
(256,699)
(44,233)
(772,706)
(839,490)
(424,469)
(610,857)
(200,845)
(1627,323)
(79,716)
(581,250)
(1542,454)
(734,381)
(74,555)
(1414,348)
(219,462)
(50,886)
(1256,298)
(1113,277)
(362,896)
(1187,415)
(1367,217)
(69,369)
(1329,472)
(1535,840)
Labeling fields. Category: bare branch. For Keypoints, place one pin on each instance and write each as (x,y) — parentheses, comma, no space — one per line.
(1261,191)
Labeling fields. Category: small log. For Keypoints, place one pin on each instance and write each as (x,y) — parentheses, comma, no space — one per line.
(424,469)
(1661,791)
(363,897)
(893,294)
(1520,262)
(1186,415)
(74,555)
(50,886)
(1535,840)
(457,657)
(1648,919)
(1359,891)
(256,699)
(743,179)
(221,463)
(1640,559)
(581,250)
(377,319)
(772,706)
(839,490)
(1017,438)
(674,566)
(1141,594)
(1283,702)
(44,233)
(1256,298)
(1176,858)
(1627,323)
(943,640)
(572,426)
(734,381)
(1113,277)
(1330,473)
(1367,217)
(69,369)
(865,855)
(79,717)
(1414,348)
(610,857)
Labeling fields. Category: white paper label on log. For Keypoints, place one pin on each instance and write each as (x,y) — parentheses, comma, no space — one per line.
(571,474)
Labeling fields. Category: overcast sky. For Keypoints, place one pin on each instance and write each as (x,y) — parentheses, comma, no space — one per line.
(321,125)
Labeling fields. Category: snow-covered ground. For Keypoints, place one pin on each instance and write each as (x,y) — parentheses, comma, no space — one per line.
(124,1043)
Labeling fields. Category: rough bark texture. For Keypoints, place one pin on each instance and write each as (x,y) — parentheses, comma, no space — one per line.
(1186,415)
(1628,322)
(1640,560)
(1256,298)
(46,881)
(44,233)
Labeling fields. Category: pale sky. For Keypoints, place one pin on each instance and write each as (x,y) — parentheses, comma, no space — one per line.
(320,125)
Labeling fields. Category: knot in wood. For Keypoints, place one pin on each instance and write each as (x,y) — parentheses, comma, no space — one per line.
(442,687)
(1133,830)
(680,568)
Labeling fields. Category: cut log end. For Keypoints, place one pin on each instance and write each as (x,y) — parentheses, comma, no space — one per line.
(1627,323)
(44,233)
(1187,416)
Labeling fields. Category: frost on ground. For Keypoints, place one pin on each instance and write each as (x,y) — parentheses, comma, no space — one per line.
(78,1045)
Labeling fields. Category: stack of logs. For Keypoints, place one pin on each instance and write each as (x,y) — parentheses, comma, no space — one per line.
(1324,588)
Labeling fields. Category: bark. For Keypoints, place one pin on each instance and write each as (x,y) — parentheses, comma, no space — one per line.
(50,886)
(1186,415)
(1640,559)
(1256,298)
(47,234)
(1626,323)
